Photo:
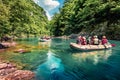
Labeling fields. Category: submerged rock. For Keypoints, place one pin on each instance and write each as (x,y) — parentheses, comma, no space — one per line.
(9,71)
(8,44)
(20,75)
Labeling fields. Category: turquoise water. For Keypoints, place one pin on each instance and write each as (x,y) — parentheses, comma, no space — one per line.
(59,62)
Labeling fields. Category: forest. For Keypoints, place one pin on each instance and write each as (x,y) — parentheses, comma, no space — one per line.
(93,17)
(24,18)
(21,18)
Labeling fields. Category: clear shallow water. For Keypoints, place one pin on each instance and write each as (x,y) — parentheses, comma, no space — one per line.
(58,61)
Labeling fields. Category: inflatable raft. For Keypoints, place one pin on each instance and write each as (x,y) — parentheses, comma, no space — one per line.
(44,40)
(90,47)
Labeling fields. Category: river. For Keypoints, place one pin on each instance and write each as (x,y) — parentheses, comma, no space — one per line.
(55,60)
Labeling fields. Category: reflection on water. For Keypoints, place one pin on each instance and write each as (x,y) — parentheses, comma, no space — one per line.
(62,63)
(96,56)
(45,44)
(51,69)
(94,65)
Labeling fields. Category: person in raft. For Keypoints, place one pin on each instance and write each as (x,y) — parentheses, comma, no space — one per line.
(104,40)
(84,41)
(81,40)
(78,41)
(96,40)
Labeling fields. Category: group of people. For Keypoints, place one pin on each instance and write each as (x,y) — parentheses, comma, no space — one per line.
(94,40)
(45,37)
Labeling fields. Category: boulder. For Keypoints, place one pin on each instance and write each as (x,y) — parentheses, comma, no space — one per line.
(2,46)
(6,65)
(20,75)
(8,44)
(8,71)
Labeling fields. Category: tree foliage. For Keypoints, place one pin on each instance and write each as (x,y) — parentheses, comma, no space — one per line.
(22,17)
(88,16)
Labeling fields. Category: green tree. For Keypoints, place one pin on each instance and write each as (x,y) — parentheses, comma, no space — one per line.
(92,16)
(22,17)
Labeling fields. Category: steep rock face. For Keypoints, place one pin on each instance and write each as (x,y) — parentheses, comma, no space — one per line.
(9,71)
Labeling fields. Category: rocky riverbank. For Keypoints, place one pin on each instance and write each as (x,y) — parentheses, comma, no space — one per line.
(9,71)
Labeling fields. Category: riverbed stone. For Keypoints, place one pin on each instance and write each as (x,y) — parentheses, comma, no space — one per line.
(8,71)
(20,75)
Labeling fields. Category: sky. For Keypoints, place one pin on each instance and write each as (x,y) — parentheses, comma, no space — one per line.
(50,6)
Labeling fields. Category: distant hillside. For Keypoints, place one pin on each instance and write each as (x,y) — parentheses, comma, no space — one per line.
(96,17)
(22,17)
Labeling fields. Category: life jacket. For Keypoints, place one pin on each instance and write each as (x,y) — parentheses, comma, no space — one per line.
(84,42)
(104,41)
(96,41)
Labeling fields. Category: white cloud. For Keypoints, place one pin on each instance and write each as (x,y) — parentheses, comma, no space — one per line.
(36,1)
(48,15)
(48,6)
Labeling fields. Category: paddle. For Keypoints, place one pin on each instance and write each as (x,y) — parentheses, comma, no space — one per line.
(113,45)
